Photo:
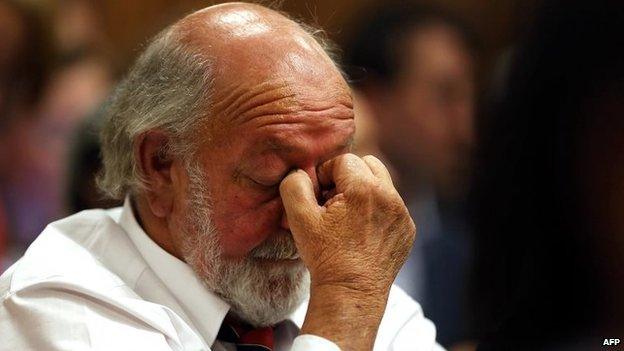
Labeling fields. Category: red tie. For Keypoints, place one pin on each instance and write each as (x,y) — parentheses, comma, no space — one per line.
(246,338)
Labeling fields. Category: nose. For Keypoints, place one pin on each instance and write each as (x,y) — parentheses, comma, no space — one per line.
(311,171)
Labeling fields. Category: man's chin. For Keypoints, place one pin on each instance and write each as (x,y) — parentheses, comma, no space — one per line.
(281,277)
(272,298)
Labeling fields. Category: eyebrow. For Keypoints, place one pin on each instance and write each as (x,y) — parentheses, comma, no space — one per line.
(273,144)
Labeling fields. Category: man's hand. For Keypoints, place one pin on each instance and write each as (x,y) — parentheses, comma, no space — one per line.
(353,245)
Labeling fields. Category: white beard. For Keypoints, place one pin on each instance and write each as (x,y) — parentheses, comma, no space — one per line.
(260,295)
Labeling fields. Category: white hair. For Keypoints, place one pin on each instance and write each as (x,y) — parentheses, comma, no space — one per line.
(168,88)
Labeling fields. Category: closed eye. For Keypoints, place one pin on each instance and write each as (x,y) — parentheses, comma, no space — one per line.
(264,185)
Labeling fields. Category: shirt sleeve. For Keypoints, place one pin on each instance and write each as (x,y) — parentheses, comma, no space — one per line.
(55,320)
(309,342)
(404,326)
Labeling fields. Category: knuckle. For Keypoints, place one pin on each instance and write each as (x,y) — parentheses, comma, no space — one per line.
(369,188)
(348,159)
(373,185)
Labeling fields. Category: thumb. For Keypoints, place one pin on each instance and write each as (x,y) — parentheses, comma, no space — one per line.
(299,200)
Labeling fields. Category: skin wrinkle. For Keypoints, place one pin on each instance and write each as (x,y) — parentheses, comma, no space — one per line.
(274,144)
(242,99)
(221,102)
(283,105)
(280,99)
(304,117)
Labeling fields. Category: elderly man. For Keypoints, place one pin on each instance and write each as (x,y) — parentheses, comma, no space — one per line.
(246,225)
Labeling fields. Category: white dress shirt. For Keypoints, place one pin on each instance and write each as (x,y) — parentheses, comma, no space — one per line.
(96,281)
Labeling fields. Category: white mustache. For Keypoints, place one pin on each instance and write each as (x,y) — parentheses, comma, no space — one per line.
(277,247)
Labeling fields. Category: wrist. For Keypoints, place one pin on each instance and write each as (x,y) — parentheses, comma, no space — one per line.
(345,315)
(362,283)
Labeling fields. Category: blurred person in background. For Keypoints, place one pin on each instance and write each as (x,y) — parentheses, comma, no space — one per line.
(415,67)
(82,79)
(78,87)
(25,58)
(79,24)
(54,73)
(549,191)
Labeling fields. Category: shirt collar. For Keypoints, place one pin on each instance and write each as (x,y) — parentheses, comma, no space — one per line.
(205,309)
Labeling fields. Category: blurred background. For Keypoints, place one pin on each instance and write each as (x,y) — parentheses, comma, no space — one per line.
(501,121)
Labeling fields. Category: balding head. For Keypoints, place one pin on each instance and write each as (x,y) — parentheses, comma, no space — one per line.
(193,63)
(220,24)
(230,30)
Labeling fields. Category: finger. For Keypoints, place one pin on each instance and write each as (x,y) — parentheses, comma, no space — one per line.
(378,168)
(343,171)
(299,200)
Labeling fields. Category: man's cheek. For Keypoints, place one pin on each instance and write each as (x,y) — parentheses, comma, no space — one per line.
(242,231)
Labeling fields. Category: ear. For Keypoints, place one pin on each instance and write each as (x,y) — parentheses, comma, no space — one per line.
(156,167)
